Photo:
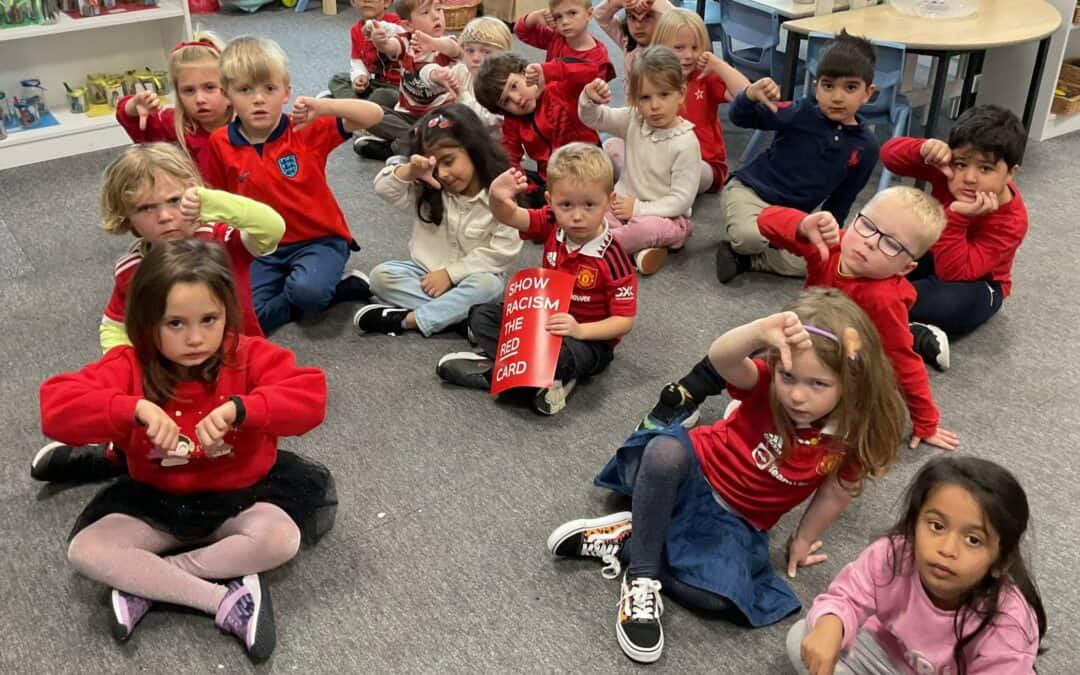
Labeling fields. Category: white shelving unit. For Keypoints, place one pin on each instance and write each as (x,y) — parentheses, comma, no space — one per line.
(65,52)
(1007,73)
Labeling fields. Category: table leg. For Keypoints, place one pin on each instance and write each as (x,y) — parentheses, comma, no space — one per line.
(1036,80)
(941,76)
(329,7)
(791,65)
(701,8)
(967,93)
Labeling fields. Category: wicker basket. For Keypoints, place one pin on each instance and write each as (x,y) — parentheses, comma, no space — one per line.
(1069,82)
(456,16)
(1076,15)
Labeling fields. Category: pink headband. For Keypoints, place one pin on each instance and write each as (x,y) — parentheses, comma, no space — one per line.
(208,45)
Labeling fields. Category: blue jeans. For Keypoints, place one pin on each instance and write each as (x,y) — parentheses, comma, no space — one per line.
(296,278)
(398,283)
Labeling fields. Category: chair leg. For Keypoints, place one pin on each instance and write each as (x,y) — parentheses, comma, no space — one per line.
(753,147)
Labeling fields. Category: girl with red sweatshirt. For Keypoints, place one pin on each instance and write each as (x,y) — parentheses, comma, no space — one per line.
(198,408)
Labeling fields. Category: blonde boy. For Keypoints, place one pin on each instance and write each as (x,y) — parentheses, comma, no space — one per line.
(265,155)
(576,241)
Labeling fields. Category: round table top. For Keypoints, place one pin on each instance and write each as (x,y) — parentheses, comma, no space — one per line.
(996,23)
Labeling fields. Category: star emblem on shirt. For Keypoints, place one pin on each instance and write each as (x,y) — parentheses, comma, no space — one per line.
(699,94)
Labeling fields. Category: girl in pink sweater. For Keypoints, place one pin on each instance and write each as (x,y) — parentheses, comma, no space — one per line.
(946,593)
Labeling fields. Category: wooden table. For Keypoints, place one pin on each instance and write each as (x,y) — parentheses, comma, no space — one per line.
(997,23)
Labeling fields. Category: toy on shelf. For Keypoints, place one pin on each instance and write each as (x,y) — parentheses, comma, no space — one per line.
(34,93)
(76,97)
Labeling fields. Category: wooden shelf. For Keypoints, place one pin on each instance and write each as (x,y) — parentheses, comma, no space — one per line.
(69,124)
(167,9)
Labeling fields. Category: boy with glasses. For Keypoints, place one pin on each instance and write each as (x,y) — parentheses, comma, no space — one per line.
(868,262)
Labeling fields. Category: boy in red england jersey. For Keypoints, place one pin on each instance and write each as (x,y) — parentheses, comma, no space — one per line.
(563,30)
(964,279)
(281,162)
(576,241)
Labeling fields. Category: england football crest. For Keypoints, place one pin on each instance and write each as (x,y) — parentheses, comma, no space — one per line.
(288,165)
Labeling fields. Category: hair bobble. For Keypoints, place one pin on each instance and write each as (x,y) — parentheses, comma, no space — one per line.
(439,121)
(852,343)
(182,45)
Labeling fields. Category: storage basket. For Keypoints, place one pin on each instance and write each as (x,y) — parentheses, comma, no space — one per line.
(1068,82)
(456,16)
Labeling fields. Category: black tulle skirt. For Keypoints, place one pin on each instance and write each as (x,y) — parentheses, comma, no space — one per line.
(299,487)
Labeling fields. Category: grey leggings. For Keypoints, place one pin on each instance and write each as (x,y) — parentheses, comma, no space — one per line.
(866,656)
(124,553)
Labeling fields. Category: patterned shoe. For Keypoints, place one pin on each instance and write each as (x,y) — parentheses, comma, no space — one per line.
(675,405)
(246,612)
(638,629)
(601,538)
(127,611)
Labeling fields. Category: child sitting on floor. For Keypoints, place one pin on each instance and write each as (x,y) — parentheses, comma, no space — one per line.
(460,252)
(563,30)
(822,155)
(635,32)
(659,181)
(577,241)
(372,75)
(210,501)
(964,279)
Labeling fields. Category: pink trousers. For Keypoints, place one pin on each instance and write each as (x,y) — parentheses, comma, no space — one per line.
(641,232)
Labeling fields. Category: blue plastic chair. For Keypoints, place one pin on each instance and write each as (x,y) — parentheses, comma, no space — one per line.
(888,106)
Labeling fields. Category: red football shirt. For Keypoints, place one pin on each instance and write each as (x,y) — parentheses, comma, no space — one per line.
(287,172)
(542,37)
(381,67)
(604,280)
(740,457)
(161,127)
(702,99)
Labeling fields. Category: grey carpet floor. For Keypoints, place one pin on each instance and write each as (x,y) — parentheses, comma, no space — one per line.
(437,562)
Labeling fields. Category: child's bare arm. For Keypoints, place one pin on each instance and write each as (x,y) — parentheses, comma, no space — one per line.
(828,503)
(730,353)
(712,65)
(501,196)
(611,328)
(354,113)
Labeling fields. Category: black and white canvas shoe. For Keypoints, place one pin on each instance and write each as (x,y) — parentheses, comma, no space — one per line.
(466,369)
(385,319)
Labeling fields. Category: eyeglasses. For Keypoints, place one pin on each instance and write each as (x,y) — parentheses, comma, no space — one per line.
(887,243)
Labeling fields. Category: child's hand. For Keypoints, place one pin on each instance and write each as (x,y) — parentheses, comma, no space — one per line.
(784,332)
(442,76)
(145,103)
(377,34)
(360,83)
(563,324)
(598,92)
(985,202)
(162,431)
(436,282)
(623,207)
(534,75)
(821,648)
(765,92)
(549,19)
(421,43)
(941,438)
(423,169)
(821,230)
(191,204)
(212,429)
(938,155)
(709,64)
(305,111)
(802,553)
(508,185)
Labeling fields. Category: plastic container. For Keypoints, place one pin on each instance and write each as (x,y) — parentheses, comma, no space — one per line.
(27,111)
(936,9)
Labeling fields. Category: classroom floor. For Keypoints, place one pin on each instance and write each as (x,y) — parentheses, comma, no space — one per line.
(437,562)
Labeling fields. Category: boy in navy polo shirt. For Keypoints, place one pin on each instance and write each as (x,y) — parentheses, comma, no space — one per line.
(281,162)
(577,241)
(822,155)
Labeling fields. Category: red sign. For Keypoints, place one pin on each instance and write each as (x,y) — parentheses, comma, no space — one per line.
(527,352)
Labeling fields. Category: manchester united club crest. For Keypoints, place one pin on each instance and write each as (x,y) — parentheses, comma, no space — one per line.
(586,277)
(289,165)
(829,463)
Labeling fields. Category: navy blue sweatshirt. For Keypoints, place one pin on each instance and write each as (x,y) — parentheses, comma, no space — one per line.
(812,160)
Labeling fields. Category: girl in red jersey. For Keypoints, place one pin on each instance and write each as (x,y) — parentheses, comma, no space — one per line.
(209,501)
(196,83)
(818,412)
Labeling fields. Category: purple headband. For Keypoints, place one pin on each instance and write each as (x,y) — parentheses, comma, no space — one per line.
(823,333)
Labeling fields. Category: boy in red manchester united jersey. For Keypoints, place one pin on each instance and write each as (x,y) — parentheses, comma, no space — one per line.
(281,162)
(576,241)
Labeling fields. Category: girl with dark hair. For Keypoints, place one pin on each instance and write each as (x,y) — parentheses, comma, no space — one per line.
(209,501)
(947,591)
(459,252)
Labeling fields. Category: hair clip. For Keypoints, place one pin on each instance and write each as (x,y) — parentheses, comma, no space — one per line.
(208,45)
(439,121)
(852,343)
(820,331)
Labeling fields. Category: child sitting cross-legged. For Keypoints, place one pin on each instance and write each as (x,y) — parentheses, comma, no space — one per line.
(964,279)
(577,241)
(539,103)
(460,252)
(563,30)
(821,155)
(372,75)
(662,170)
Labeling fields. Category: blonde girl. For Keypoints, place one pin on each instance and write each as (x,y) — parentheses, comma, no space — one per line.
(635,32)
(658,184)
(818,413)
(196,82)
(709,82)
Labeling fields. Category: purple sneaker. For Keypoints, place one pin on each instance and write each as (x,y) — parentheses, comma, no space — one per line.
(127,610)
(246,612)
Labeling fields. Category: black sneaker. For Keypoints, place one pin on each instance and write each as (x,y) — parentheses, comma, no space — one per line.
(373,148)
(380,319)
(675,406)
(551,400)
(353,287)
(639,631)
(601,538)
(61,463)
(730,264)
(466,369)
(932,344)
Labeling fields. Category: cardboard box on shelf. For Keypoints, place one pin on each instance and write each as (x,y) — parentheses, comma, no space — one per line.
(512,10)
